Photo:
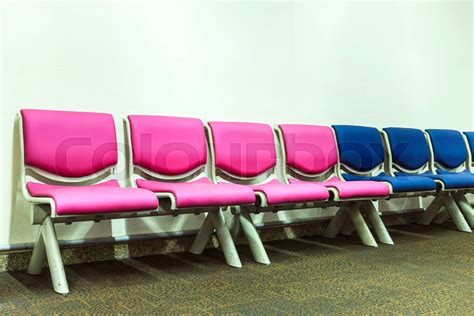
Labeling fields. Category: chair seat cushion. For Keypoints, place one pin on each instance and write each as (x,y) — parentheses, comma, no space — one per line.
(400,183)
(280,193)
(106,197)
(453,180)
(351,190)
(202,192)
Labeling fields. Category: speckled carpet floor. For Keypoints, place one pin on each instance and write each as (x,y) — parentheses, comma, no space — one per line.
(429,270)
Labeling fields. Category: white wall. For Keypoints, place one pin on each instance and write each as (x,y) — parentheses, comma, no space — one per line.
(374,63)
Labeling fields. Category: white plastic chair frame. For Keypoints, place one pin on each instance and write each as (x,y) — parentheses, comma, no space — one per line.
(350,214)
(446,203)
(43,213)
(460,209)
(242,219)
(214,220)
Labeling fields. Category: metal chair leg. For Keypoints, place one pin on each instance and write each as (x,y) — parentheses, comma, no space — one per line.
(377,223)
(225,239)
(456,214)
(53,255)
(203,236)
(465,207)
(361,228)
(38,258)
(253,238)
(431,211)
(336,224)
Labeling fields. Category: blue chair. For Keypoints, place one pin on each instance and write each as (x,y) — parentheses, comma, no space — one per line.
(450,165)
(450,159)
(361,152)
(408,152)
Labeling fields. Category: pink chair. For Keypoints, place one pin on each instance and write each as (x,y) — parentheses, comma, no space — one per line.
(310,155)
(67,173)
(169,159)
(246,153)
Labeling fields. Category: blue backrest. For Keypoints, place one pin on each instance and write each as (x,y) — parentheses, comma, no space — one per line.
(408,147)
(360,147)
(470,141)
(449,147)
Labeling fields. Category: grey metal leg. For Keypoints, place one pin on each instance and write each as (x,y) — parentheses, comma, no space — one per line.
(203,236)
(253,238)
(431,211)
(441,217)
(361,227)
(456,214)
(234,226)
(53,255)
(377,223)
(336,223)
(465,207)
(348,228)
(38,258)
(225,239)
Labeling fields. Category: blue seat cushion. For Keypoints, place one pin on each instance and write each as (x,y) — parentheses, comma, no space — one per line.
(400,183)
(461,180)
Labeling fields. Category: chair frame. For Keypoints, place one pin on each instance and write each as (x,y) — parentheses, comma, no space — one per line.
(445,203)
(349,209)
(460,210)
(351,212)
(214,216)
(43,213)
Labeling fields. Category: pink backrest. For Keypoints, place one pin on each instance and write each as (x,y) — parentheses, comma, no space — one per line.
(168,145)
(309,148)
(243,149)
(69,144)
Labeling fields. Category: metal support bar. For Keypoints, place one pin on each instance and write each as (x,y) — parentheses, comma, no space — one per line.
(377,223)
(431,211)
(456,214)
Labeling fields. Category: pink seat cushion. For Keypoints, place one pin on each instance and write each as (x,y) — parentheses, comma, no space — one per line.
(107,197)
(202,192)
(309,148)
(168,145)
(280,193)
(355,189)
(69,144)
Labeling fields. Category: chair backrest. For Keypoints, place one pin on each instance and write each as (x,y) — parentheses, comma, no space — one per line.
(68,144)
(243,150)
(168,146)
(408,148)
(309,149)
(470,142)
(449,148)
(360,148)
